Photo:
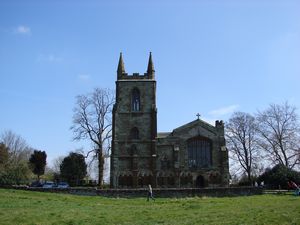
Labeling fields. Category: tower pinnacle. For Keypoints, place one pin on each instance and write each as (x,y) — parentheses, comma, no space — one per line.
(121,67)
(150,70)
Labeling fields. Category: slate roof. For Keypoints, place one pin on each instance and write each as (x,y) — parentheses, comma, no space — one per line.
(163,134)
(195,122)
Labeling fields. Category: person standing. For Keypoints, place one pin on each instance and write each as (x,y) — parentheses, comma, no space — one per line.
(296,187)
(150,193)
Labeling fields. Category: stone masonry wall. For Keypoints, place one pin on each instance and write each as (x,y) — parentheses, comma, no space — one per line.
(158,193)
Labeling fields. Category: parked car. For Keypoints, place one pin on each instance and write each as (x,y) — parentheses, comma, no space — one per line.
(49,184)
(36,184)
(63,185)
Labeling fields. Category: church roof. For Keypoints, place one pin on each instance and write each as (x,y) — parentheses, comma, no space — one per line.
(163,134)
(196,122)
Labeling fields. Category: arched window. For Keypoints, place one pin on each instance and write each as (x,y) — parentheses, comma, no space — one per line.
(135,100)
(199,152)
(134,133)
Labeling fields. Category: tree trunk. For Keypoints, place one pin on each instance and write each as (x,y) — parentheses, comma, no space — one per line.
(100,168)
(249,177)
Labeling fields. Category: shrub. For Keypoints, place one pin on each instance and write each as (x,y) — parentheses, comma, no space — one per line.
(278,176)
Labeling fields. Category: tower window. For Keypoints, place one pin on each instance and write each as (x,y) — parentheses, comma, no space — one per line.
(136,102)
(134,133)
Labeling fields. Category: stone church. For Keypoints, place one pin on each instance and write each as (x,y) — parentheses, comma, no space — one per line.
(192,155)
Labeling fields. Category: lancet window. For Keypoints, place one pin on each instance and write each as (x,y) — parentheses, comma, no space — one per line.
(135,100)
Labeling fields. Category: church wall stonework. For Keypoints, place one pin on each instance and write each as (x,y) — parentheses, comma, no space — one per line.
(193,155)
(215,175)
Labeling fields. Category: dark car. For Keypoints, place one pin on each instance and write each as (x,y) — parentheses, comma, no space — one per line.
(36,184)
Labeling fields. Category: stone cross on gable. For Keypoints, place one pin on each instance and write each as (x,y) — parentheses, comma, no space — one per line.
(198,115)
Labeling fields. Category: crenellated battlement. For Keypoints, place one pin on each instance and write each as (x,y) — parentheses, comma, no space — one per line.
(219,124)
(134,76)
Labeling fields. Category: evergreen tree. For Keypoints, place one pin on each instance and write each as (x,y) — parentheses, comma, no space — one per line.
(73,168)
(38,162)
(278,176)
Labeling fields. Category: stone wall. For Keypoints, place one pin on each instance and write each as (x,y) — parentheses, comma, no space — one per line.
(158,193)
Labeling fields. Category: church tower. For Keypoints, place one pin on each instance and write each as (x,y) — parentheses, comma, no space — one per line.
(133,157)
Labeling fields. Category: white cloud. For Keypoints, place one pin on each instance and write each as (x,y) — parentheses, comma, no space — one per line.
(50,58)
(223,111)
(84,77)
(209,120)
(24,30)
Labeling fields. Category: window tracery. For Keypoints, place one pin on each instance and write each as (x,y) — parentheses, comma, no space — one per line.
(199,153)
(136,101)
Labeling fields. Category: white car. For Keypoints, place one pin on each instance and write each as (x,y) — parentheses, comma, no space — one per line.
(49,184)
(63,185)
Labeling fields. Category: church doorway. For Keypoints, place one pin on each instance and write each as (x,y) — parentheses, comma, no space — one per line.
(200,182)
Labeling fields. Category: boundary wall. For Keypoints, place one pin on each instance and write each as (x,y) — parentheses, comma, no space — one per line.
(157,192)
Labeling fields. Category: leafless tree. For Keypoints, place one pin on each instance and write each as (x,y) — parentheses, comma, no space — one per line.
(56,164)
(15,169)
(92,121)
(279,130)
(242,142)
(17,146)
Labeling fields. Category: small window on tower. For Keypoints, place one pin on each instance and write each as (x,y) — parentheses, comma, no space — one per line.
(134,133)
(136,103)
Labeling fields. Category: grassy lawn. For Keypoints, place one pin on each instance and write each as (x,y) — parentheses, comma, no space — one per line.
(25,207)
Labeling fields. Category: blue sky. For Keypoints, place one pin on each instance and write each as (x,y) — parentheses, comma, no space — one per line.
(211,57)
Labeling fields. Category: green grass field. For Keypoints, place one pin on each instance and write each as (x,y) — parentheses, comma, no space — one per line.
(25,207)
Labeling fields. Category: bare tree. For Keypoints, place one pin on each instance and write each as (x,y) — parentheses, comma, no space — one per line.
(56,164)
(92,121)
(15,169)
(242,142)
(18,148)
(279,130)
